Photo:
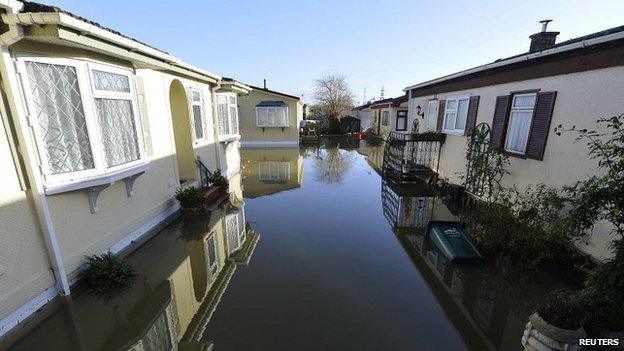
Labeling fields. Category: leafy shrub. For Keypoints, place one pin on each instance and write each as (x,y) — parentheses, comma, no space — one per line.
(108,275)
(562,312)
(190,197)
(524,226)
(217,179)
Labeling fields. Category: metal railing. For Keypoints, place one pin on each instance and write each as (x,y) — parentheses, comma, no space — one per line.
(204,173)
(412,153)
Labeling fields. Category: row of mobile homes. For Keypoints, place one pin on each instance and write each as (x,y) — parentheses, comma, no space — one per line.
(98,132)
(515,103)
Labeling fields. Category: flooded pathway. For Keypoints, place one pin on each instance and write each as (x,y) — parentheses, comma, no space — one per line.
(332,258)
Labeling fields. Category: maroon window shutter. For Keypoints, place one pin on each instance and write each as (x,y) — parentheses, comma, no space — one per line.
(540,126)
(500,121)
(471,119)
(440,115)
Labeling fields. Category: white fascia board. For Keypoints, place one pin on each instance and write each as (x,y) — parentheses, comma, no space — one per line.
(65,20)
(527,57)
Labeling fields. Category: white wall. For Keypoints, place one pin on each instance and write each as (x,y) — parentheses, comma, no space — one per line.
(582,98)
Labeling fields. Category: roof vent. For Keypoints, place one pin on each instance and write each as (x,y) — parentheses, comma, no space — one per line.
(544,39)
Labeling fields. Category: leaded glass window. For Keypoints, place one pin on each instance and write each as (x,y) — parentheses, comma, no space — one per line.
(227,111)
(118,130)
(60,116)
(222,113)
(198,120)
(111,81)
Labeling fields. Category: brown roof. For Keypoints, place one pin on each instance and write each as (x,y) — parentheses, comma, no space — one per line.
(273,92)
(391,102)
(451,77)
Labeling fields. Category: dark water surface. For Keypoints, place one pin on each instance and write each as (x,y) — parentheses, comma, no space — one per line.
(333,258)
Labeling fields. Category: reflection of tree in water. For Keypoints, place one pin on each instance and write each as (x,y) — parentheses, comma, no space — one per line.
(332,164)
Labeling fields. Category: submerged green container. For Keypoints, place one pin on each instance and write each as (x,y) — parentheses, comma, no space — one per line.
(452,240)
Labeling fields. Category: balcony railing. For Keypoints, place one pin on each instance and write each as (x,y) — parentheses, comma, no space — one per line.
(411,155)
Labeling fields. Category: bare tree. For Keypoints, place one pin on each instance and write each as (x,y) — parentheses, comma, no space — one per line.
(332,164)
(333,95)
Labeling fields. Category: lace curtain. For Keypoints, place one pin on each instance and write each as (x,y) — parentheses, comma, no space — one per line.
(60,115)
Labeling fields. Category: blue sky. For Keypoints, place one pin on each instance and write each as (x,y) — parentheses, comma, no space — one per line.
(389,43)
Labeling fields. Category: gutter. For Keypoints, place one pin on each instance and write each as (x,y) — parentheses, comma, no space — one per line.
(523,58)
(84,28)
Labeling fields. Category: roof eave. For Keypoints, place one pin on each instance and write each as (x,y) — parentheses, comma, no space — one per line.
(522,58)
(84,28)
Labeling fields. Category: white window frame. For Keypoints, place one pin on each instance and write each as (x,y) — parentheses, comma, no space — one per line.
(202,110)
(283,125)
(271,171)
(520,109)
(448,111)
(216,264)
(88,94)
(229,116)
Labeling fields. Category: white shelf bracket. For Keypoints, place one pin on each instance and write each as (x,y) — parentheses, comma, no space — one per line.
(130,183)
(94,194)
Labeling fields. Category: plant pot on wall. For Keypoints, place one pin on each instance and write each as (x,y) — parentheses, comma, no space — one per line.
(539,335)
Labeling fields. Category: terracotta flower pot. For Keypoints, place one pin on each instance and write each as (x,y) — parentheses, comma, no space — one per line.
(193,212)
(540,335)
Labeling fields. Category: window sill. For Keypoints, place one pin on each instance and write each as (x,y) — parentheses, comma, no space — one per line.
(229,138)
(454,132)
(95,185)
(272,126)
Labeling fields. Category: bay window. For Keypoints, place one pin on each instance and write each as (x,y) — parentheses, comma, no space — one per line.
(519,125)
(274,172)
(272,114)
(227,112)
(84,118)
(455,115)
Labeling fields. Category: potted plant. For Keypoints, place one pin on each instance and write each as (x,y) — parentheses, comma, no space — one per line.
(108,275)
(191,200)
(217,179)
(557,325)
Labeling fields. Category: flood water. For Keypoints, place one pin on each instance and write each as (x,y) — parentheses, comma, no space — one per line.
(332,258)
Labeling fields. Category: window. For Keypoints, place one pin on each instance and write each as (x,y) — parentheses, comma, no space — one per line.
(235,229)
(198,118)
(210,247)
(274,172)
(227,111)
(519,124)
(271,116)
(455,115)
(385,118)
(401,121)
(432,115)
(84,118)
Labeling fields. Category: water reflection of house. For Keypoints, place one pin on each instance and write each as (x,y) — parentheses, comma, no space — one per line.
(409,208)
(171,303)
(486,315)
(270,170)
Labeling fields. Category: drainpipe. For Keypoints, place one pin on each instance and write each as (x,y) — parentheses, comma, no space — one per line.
(14,93)
(215,125)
